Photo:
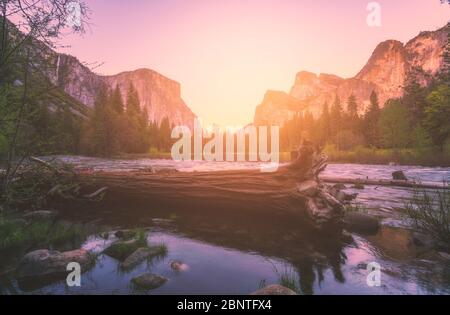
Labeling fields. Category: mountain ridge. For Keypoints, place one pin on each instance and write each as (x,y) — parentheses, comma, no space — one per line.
(158,93)
(385,72)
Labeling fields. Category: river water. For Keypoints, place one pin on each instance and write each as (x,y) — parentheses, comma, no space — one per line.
(232,256)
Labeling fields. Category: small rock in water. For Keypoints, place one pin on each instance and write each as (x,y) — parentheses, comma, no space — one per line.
(149,281)
(178,266)
(139,256)
(121,250)
(274,289)
(45,265)
(399,175)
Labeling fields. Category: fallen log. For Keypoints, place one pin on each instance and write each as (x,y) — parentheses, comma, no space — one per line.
(384,182)
(292,190)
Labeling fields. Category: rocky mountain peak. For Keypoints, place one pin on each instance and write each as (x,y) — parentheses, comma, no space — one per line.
(386,73)
(277,105)
(160,95)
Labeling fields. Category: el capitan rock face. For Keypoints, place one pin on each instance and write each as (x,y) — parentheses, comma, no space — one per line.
(386,73)
(160,95)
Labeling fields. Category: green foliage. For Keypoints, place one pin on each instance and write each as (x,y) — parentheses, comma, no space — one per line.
(427,156)
(111,130)
(288,277)
(371,119)
(395,125)
(430,212)
(15,233)
(348,140)
(437,115)
(161,249)
(413,129)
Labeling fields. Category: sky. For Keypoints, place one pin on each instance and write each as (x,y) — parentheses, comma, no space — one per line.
(227,53)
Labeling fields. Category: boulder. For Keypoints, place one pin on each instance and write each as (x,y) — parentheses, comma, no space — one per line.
(45,265)
(361,223)
(149,281)
(139,256)
(274,289)
(121,250)
(399,175)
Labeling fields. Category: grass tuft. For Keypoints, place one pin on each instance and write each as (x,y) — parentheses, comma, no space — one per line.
(430,213)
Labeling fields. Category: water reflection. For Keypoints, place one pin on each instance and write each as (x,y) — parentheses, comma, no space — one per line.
(234,253)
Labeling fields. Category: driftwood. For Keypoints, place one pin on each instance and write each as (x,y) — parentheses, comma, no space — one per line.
(384,182)
(292,190)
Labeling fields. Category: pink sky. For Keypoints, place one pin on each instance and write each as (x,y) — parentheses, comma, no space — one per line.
(227,53)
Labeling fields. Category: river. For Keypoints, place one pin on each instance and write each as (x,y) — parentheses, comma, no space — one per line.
(225,256)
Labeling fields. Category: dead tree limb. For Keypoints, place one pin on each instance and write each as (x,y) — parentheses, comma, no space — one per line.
(292,190)
(384,182)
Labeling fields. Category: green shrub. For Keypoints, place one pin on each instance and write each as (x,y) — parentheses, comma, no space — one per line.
(430,213)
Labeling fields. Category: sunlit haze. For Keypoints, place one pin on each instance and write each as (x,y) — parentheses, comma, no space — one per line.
(227,54)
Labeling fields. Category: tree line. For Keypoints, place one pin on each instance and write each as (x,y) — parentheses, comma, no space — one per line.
(115,126)
(419,119)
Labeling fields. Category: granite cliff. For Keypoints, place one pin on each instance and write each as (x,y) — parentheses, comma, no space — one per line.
(386,73)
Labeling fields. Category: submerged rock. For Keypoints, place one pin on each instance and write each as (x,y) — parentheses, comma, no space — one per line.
(45,265)
(274,289)
(362,223)
(149,281)
(139,256)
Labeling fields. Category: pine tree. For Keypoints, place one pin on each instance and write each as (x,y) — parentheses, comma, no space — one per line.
(117,101)
(325,125)
(336,120)
(371,119)
(165,135)
(352,107)
(133,103)
(351,121)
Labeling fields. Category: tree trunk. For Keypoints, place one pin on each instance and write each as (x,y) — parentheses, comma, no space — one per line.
(293,190)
